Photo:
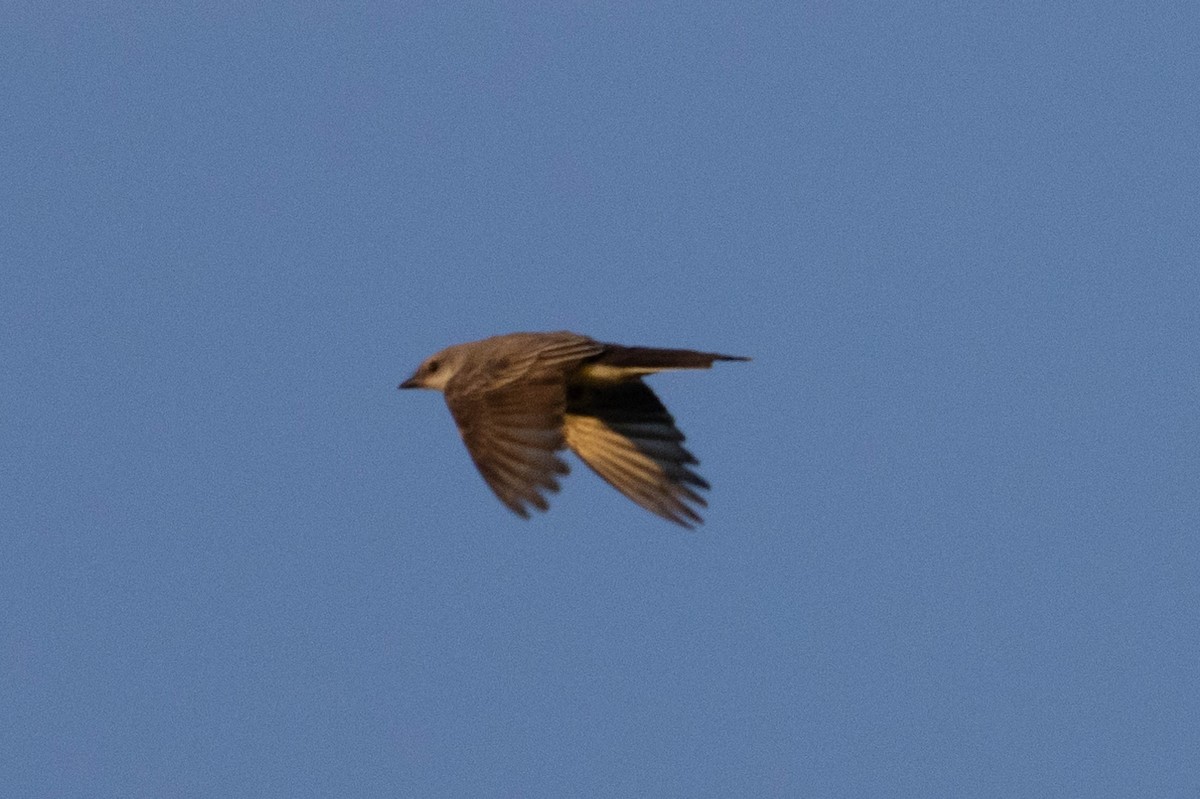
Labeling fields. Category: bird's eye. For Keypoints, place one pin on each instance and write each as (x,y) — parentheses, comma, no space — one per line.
(432,366)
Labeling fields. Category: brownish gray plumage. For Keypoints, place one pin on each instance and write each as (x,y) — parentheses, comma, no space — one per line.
(521,398)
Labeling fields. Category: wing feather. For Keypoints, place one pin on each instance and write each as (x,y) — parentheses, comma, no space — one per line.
(625,434)
(509,409)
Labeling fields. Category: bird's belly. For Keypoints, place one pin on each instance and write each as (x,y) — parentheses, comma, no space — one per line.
(603,373)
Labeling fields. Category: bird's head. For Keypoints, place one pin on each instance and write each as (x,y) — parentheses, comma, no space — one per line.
(436,370)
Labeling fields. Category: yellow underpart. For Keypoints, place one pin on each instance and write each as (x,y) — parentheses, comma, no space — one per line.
(602,373)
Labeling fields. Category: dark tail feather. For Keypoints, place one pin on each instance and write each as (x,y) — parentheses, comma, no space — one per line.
(654,358)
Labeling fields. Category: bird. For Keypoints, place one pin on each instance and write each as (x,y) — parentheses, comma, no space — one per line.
(521,398)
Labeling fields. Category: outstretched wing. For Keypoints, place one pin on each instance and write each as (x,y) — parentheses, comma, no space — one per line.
(625,434)
(509,410)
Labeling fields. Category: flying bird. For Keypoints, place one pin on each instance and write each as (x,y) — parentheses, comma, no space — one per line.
(519,399)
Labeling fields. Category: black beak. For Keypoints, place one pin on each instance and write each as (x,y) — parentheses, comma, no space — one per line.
(410,383)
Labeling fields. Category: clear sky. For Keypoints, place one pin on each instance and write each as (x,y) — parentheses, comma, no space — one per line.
(951,548)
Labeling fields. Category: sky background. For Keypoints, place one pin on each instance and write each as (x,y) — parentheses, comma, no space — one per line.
(951,548)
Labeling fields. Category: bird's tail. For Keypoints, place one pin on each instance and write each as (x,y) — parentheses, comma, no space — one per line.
(654,358)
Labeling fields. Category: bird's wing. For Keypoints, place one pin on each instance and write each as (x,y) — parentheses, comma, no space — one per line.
(623,432)
(510,413)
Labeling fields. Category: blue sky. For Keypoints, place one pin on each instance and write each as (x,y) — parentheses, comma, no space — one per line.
(951,545)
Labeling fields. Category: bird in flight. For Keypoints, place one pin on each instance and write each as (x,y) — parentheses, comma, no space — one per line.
(520,398)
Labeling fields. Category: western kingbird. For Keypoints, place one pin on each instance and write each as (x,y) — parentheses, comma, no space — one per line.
(519,399)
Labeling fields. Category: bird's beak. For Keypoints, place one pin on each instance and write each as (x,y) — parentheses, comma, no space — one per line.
(411,382)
